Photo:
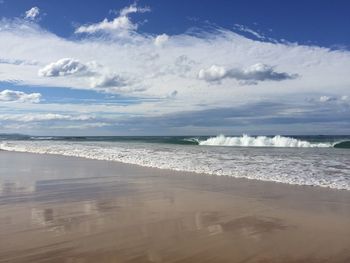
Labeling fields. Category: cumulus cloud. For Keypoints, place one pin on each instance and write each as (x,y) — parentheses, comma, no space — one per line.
(114,83)
(160,40)
(108,81)
(260,72)
(98,77)
(63,67)
(120,23)
(32,13)
(213,73)
(19,96)
(250,75)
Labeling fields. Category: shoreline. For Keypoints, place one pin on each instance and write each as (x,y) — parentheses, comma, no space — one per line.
(191,173)
(56,208)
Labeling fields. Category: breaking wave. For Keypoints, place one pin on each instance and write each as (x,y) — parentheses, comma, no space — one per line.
(313,141)
(342,144)
(261,141)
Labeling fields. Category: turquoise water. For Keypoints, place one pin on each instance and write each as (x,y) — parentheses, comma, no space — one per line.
(338,141)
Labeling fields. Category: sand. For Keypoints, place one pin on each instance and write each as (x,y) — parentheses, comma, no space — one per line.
(65,209)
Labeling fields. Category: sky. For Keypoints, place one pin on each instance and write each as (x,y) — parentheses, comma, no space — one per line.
(174,67)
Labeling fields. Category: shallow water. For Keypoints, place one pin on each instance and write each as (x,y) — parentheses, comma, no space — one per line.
(316,166)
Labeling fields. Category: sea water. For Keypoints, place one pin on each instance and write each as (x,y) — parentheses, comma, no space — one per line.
(303,160)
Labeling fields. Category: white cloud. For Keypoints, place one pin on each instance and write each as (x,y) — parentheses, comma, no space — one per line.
(97,77)
(158,71)
(121,23)
(135,63)
(35,117)
(250,75)
(63,67)
(213,73)
(17,62)
(83,126)
(50,121)
(134,9)
(160,40)
(19,96)
(108,81)
(327,99)
(114,83)
(340,99)
(32,13)
(246,29)
(53,126)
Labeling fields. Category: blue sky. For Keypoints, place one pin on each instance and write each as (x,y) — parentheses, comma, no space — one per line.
(174,67)
(320,22)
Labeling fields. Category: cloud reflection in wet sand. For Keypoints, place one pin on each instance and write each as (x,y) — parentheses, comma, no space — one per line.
(92,211)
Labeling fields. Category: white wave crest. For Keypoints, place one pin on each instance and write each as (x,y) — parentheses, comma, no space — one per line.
(260,141)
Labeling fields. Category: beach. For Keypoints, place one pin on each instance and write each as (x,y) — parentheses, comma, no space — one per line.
(174,131)
(68,209)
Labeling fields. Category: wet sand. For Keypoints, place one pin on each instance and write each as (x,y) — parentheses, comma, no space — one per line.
(64,209)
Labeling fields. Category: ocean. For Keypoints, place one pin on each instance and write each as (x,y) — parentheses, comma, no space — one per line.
(322,161)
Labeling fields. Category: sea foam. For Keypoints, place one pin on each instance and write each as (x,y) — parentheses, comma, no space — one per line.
(325,167)
(260,141)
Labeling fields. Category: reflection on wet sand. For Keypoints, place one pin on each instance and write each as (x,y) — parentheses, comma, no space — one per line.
(91,211)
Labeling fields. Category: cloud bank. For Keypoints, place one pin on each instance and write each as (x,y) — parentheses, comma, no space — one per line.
(34,117)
